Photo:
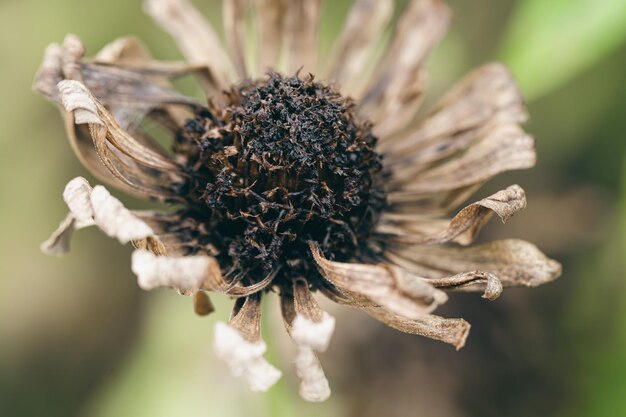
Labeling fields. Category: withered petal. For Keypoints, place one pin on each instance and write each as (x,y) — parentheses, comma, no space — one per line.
(355,45)
(301,37)
(463,228)
(387,285)
(270,17)
(514,262)
(235,12)
(451,331)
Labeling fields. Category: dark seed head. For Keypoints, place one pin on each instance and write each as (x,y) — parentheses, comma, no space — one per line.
(286,162)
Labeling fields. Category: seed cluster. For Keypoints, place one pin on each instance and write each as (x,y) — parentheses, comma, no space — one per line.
(286,162)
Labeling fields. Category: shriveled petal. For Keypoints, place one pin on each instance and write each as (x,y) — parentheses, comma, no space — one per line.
(302,34)
(387,285)
(193,33)
(355,46)
(314,386)
(94,206)
(311,329)
(270,16)
(133,163)
(463,228)
(487,96)
(185,273)
(239,344)
(504,147)
(514,262)
(398,86)
(452,331)
(58,243)
(245,358)
(202,304)
(235,30)
(486,282)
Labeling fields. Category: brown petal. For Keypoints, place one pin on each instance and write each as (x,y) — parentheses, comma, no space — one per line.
(485,97)
(302,34)
(398,86)
(514,262)
(234,12)
(202,304)
(194,35)
(464,227)
(270,16)
(387,285)
(355,46)
(504,147)
(452,331)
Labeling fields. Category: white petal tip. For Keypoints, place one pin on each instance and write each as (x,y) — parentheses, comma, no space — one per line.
(317,336)
(245,358)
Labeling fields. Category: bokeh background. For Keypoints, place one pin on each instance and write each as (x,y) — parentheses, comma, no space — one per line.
(78,338)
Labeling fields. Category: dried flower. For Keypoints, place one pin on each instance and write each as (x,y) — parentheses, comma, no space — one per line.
(282,183)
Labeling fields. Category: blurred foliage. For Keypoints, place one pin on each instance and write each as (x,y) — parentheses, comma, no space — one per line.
(78,338)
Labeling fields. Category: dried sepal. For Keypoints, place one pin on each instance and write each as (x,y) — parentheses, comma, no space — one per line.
(202,304)
(463,228)
(514,262)
(387,285)
(354,46)
(398,85)
(451,331)
(239,344)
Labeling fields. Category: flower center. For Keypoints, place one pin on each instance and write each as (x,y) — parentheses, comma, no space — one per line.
(285,162)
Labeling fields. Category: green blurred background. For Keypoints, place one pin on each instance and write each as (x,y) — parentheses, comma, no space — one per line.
(77,337)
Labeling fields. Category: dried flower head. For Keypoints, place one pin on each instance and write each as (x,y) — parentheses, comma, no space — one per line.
(283,183)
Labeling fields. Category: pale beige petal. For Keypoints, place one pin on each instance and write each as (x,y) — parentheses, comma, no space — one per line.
(314,386)
(270,17)
(486,96)
(398,85)
(50,72)
(193,33)
(77,196)
(235,12)
(58,243)
(311,329)
(355,44)
(514,262)
(504,147)
(301,36)
(452,331)
(239,343)
(464,227)
(387,285)
(185,273)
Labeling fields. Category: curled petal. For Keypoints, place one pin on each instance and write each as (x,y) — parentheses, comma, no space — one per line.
(185,273)
(314,386)
(245,358)
(486,282)
(464,227)
(514,262)
(239,344)
(89,207)
(451,331)
(387,285)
